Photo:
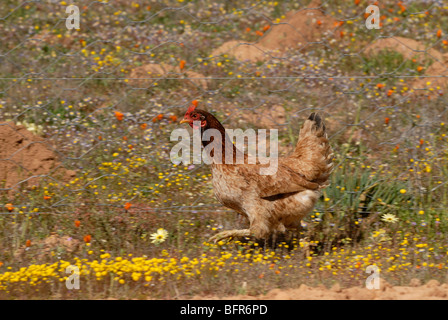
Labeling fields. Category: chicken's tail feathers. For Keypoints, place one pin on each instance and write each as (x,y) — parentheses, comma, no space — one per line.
(314,125)
(313,148)
(318,120)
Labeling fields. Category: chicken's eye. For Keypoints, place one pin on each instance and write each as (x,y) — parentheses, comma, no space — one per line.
(195,116)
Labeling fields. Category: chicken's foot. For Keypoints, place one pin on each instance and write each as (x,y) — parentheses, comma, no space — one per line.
(230,234)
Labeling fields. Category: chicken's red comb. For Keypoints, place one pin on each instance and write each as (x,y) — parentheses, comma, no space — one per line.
(193,106)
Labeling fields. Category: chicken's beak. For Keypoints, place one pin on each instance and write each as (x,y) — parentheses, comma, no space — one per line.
(184,121)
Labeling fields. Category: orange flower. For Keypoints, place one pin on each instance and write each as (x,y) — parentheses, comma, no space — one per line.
(47,197)
(9,207)
(1,263)
(182,64)
(259,33)
(357,2)
(419,68)
(248,29)
(389,93)
(445,43)
(266,28)
(173,118)
(402,7)
(77,223)
(195,103)
(143,126)
(417,116)
(100,138)
(422,141)
(131,146)
(386,120)
(119,115)
(319,22)
(125,138)
(277,271)
(28,243)
(127,206)
(439,33)
(380,85)
(158,117)
(342,33)
(87,238)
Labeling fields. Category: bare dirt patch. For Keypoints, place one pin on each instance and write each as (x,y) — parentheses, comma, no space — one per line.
(24,157)
(436,77)
(409,48)
(52,244)
(432,290)
(161,70)
(295,31)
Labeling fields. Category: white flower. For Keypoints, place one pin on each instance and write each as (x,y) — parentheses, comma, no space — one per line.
(160,236)
(388,217)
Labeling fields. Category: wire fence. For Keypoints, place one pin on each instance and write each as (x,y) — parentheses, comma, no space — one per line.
(86,114)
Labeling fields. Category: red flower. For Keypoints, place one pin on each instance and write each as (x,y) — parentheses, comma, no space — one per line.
(87,238)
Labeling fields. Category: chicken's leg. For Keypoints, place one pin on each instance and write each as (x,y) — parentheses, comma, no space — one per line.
(230,233)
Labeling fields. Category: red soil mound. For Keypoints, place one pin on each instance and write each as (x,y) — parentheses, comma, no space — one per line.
(24,157)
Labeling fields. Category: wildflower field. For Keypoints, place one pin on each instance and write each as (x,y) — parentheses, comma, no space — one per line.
(86,116)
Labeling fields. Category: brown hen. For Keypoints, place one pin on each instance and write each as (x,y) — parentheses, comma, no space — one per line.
(275,202)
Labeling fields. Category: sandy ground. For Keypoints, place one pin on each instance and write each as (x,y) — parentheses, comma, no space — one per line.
(432,290)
